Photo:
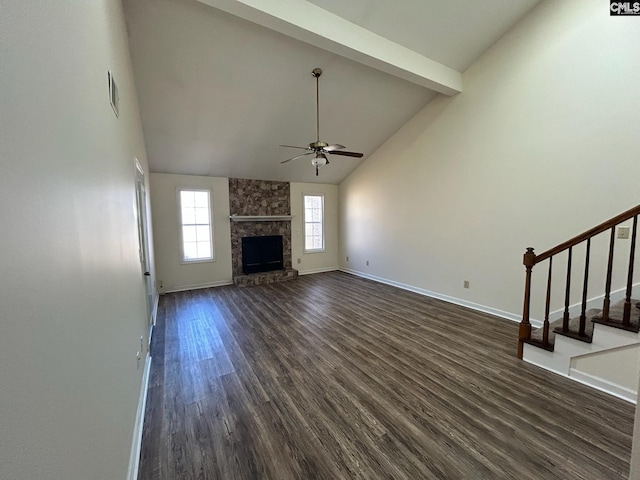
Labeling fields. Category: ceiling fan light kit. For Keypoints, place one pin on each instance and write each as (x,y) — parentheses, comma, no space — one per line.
(320,148)
(320,160)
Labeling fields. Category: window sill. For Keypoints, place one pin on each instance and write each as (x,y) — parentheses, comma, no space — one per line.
(204,260)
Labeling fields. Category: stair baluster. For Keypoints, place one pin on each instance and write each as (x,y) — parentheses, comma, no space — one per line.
(567,294)
(545,327)
(607,287)
(626,318)
(585,285)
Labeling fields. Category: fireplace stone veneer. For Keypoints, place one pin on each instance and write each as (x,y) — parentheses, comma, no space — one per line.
(260,198)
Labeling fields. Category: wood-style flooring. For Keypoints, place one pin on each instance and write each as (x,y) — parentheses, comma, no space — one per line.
(331,376)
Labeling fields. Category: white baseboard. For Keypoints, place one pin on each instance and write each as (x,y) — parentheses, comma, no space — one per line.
(440,296)
(540,358)
(318,270)
(154,319)
(604,385)
(136,443)
(154,313)
(184,288)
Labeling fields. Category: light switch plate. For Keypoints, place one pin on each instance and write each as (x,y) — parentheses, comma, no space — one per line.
(623,231)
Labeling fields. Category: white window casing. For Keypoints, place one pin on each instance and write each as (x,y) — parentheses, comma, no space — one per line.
(313,208)
(195,225)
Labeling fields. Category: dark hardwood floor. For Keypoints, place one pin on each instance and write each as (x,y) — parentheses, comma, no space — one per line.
(331,376)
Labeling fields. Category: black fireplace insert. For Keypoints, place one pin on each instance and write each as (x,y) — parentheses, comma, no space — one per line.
(262,254)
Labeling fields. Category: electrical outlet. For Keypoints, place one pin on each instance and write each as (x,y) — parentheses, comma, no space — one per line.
(623,231)
(299,261)
(347,259)
(367,263)
(466,284)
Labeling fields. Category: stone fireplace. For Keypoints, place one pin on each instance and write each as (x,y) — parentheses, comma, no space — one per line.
(258,207)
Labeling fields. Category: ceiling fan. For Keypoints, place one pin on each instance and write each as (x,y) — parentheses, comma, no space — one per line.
(320,149)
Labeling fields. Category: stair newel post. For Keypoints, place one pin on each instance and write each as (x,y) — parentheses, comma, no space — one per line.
(524,333)
(567,294)
(626,319)
(545,326)
(585,285)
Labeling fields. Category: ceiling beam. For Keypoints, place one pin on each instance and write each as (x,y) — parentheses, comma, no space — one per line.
(311,24)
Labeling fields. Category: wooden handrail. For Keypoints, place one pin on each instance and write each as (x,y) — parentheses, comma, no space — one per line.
(604,226)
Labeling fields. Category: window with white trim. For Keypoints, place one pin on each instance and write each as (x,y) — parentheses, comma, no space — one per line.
(314,223)
(196,233)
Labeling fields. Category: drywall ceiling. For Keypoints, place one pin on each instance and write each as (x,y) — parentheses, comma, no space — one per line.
(452,32)
(220,91)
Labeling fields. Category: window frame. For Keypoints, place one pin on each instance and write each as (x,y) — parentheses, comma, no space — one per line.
(183,260)
(304,224)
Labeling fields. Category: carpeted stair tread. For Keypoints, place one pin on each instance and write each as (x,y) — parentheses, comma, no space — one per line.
(615,312)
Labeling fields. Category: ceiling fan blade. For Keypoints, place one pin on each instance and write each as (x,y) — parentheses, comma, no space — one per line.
(297,156)
(293,146)
(335,146)
(346,154)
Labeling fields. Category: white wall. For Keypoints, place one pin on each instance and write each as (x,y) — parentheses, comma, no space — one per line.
(620,367)
(170,272)
(542,144)
(320,261)
(72,297)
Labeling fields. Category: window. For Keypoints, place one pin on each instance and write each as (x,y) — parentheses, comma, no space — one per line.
(314,223)
(195,225)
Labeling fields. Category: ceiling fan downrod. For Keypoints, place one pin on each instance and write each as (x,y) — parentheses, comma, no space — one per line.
(316,72)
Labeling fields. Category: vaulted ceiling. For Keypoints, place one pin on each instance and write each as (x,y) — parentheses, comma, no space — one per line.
(221,83)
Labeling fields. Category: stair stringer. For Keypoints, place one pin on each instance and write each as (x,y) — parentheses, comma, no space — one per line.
(566,348)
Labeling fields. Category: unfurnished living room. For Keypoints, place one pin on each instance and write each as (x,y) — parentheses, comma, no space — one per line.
(318,239)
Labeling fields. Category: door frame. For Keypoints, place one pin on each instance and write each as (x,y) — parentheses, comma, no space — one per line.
(143,243)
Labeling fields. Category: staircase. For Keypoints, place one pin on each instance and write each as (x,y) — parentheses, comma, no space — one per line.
(594,340)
